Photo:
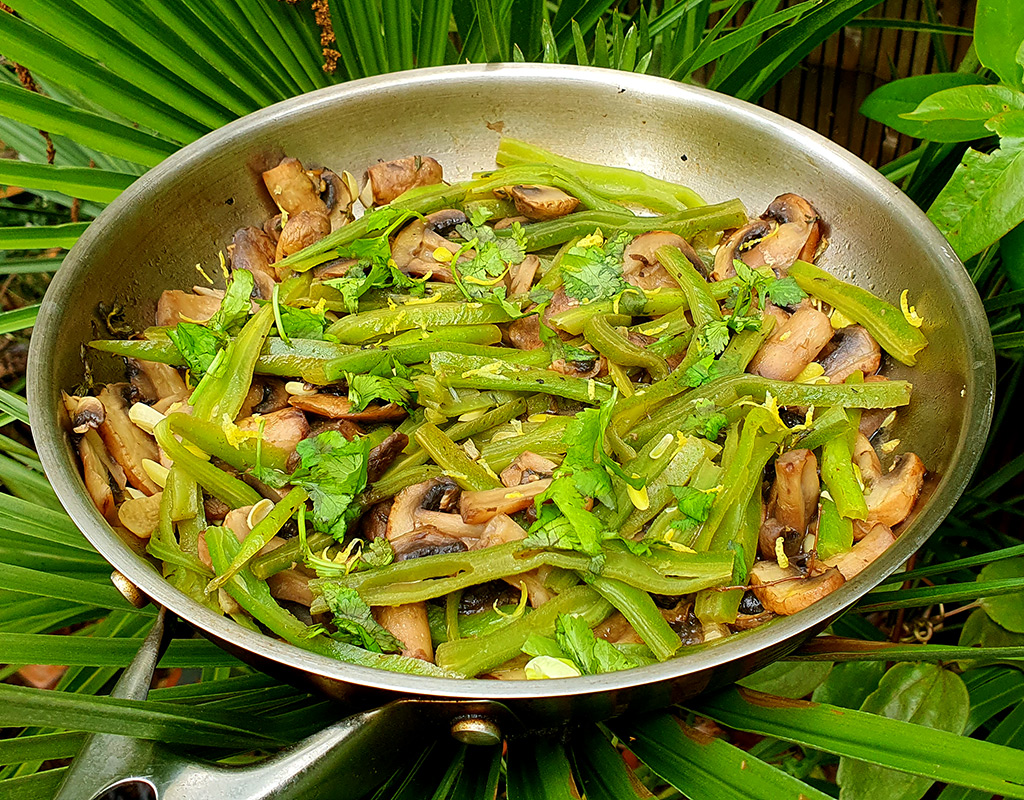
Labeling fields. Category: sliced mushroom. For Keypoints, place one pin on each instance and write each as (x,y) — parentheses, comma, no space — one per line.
(375,521)
(345,427)
(336,407)
(434,493)
(508,222)
(640,265)
(86,412)
(522,275)
(97,471)
(291,585)
(284,428)
(266,394)
(793,345)
(176,306)
(526,468)
(871,546)
(382,456)
(335,268)
(617,630)
(409,625)
(768,534)
(789,229)
(794,496)
(857,350)
(157,381)
(451,524)
(787,591)
(339,195)
(128,444)
(477,507)
(293,189)
(141,515)
(414,246)
(426,541)
(253,250)
(891,497)
(866,459)
(302,230)
(501,529)
(388,180)
(584,368)
(539,202)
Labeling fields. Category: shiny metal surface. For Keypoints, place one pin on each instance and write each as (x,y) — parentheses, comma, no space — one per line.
(184,211)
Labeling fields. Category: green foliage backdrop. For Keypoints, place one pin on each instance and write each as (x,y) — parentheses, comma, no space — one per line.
(117,85)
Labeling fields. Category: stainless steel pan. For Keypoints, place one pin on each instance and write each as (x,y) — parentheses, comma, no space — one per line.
(185,210)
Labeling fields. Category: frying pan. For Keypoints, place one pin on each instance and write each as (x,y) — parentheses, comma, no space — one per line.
(185,210)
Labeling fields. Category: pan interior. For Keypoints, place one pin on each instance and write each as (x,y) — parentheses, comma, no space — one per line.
(185,211)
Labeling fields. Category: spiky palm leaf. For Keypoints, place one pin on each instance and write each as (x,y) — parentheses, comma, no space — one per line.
(123,84)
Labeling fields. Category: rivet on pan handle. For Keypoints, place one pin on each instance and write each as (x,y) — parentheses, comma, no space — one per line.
(476,731)
(132,593)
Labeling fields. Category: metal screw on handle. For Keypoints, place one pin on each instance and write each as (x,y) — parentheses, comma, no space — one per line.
(341,762)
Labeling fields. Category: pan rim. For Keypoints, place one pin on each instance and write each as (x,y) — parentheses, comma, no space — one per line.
(43,395)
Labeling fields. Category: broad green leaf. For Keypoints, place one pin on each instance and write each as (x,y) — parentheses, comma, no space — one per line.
(980,631)
(998,33)
(890,102)
(601,770)
(538,769)
(1006,610)
(848,685)
(705,767)
(924,694)
(887,742)
(984,199)
(959,114)
(1011,252)
(793,679)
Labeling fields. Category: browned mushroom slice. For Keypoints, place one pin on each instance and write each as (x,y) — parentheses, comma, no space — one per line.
(374,523)
(97,471)
(640,265)
(345,427)
(382,456)
(435,494)
(387,180)
(526,468)
(866,459)
(141,515)
(793,345)
(508,222)
(265,395)
(451,524)
(157,381)
(521,275)
(539,202)
(293,189)
(335,268)
(769,533)
(426,541)
(291,585)
(409,625)
(794,496)
(253,250)
(339,195)
(857,351)
(789,229)
(891,497)
(501,529)
(302,230)
(176,306)
(582,367)
(284,428)
(477,507)
(126,443)
(871,546)
(85,412)
(337,407)
(787,591)
(617,630)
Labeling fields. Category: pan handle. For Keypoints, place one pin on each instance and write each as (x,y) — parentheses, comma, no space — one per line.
(342,762)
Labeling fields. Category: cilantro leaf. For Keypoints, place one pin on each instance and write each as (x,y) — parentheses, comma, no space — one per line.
(713,336)
(234,307)
(354,620)
(367,275)
(590,275)
(302,323)
(378,553)
(333,472)
(590,653)
(363,389)
(197,344)
(700,372)
(694,505)
(785,292)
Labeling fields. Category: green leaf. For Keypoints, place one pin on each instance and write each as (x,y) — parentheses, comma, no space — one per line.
(87,651)
(959,114)
(40,748)
(74,590)
(980,631)
(19,319)
(998,33)
(33,787)
(602,772)
(890,102)
(705,766)
(481,767)
(983,199)
(42,236)
(591,654)
(849,684)
(887,742)
(1005,610)
(538,769)
(788,679)
(924,694)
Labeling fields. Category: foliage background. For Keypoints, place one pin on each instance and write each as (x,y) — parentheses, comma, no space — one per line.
(118,84)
